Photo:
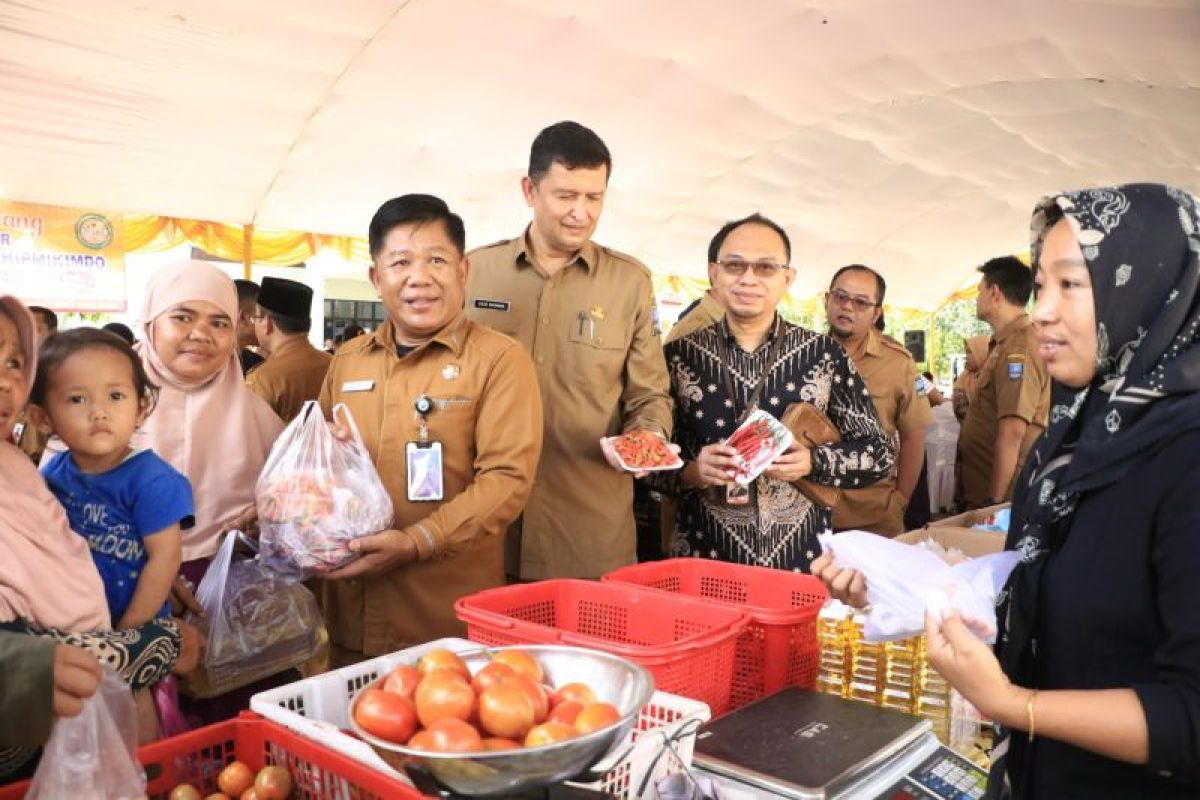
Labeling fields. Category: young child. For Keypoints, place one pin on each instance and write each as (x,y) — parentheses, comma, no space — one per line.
(92,391)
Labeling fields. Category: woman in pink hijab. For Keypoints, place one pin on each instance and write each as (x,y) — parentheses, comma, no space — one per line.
(207,424)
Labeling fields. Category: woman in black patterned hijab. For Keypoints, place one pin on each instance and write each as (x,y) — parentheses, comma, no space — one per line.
(1095,680)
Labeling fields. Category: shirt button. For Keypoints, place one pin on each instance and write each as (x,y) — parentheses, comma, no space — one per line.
(540,359)
(545,320)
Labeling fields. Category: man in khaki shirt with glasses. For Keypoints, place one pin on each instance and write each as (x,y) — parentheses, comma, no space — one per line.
(451,416)
(853,305)
(586,314)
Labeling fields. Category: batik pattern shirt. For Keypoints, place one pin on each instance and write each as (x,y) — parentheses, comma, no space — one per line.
(779,526)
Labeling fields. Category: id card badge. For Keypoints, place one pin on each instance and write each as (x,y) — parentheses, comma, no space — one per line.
(737,494)
(424,471)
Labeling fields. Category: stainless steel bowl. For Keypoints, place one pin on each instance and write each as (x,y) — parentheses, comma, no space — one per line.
(615,680)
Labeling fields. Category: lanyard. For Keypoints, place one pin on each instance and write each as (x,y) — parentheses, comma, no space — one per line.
(727,373)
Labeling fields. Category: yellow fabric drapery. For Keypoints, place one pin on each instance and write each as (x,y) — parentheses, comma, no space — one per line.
(149,233)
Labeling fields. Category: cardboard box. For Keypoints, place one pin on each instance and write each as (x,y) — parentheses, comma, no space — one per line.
(972,542)
(969,519)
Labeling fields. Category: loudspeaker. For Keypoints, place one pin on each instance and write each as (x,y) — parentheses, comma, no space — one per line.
(914,342)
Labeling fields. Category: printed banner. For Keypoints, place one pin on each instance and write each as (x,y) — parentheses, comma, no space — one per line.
(67,259)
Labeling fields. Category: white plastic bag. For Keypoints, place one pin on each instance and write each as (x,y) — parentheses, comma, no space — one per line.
(904,581)
(316,494)
(94,756)
(257,622)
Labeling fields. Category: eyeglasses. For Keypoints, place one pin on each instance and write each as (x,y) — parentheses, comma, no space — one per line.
(762,269)
(841,298)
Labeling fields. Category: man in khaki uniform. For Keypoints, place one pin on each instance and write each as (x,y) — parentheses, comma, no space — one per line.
(429,379)
(587,315)
(853,304)
(1012,397)
(294,369)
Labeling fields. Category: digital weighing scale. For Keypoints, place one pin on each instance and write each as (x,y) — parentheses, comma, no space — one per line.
(805,745)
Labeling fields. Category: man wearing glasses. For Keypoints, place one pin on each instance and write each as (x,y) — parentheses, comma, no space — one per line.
(752,359)
(853,304)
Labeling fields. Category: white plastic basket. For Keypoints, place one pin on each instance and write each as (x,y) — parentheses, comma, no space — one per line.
(318,708)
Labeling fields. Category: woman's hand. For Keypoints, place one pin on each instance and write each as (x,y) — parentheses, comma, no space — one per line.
(77,675)
(791,465)
(183,599)
(847,585)
(970,666)
(191,648)
(714,466)
(247,522)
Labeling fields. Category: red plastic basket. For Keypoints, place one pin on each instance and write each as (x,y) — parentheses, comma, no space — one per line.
(779,647)
(197,757)
(687,645)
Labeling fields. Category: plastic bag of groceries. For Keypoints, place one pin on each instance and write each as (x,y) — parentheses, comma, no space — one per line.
(904,581)
(257,623)
(93,756)
(316,494)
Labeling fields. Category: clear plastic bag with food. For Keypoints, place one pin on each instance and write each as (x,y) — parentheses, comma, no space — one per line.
(904,581)
(316,494)
(257,623)
(93,756)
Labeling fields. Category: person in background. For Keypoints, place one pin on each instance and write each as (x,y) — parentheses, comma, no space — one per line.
(122,330)
(934,394)
(1095,677)
(294,369)
(587,316)
(967,383)
(247,298)
(450,413)
(1012,398)
(47,322)
(92,392)
(753,359)
(853,304)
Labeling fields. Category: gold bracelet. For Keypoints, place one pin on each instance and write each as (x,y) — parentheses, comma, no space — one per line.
(1029,712)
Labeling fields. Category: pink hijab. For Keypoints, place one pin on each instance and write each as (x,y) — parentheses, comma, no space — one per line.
(216,432)
(47,576)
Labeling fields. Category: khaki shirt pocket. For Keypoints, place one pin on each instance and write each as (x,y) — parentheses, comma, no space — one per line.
(596,351)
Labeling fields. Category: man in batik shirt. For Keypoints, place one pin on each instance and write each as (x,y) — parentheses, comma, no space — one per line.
(752,358)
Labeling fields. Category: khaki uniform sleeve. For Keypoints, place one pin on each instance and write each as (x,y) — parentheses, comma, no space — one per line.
(646,400)
(1020,384)
(508,443)
(912,412)
(325,397)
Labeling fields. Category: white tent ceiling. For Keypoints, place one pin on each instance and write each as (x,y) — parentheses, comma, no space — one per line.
(913,135)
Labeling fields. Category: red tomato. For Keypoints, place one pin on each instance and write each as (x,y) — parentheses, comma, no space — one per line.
(273,783)
(565,712)
(440,658)
(595,716)
(541,702)
(493,674)
(235,779)
(522,663)
(506,710)
(386,715)
(548,733)
(421,740)
(451,735)
(444,696)
(575,692)
(403,681)
(218,796)
(185,791)
(250,794)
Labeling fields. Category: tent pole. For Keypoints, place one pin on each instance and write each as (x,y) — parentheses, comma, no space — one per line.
(247,249)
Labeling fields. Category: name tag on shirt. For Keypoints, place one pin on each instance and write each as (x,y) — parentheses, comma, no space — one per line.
(493,305)
(358,386)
